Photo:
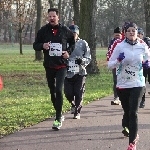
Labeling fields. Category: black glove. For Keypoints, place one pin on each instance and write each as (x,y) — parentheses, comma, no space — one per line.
(78,61)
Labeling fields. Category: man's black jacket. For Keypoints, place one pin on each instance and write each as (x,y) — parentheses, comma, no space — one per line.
(63,36)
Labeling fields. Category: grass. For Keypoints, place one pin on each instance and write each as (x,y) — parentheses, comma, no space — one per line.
(25,99)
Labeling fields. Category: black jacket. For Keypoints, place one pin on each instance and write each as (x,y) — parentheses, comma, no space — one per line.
(63,36)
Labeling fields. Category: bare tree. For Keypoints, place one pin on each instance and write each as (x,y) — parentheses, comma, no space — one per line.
(38,54)
(147,16)
(76,7)
(88,15)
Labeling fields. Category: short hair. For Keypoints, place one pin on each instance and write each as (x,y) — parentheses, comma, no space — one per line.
(54,9)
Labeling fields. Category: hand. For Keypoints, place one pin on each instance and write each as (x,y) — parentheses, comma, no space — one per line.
(121,57)
(46,46)
(65,54)
(78,61)
(145,64)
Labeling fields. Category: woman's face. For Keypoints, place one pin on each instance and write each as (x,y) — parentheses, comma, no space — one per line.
(131,33)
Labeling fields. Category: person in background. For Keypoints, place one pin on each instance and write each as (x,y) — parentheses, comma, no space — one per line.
(1,83)
(54,38)
(117,35)
(146,71)
(74,84)
(129,58)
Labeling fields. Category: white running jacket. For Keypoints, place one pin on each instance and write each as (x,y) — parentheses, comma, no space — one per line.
(129,71)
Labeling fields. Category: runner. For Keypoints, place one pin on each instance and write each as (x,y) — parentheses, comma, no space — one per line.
(146,72)
(53,39)
(117,35)
(1,83)
(127,57)
(74,85)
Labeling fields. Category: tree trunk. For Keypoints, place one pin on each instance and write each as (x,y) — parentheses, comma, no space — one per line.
(88,30)
(147,16)
(38,54)
(76,7)
(51,3)
(20,38)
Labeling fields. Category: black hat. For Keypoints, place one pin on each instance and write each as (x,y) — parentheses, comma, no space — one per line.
(117,30)
(74,29)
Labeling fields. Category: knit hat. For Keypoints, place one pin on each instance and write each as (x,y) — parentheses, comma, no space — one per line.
(140,31)
(117,30)
(74,29)
(131,25)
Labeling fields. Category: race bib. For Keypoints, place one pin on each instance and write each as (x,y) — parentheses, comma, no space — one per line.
(130,73)
(55,49)
(73,67)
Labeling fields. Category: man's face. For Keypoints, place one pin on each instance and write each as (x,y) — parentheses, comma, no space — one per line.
(140,35)
(117,35)
(53,18)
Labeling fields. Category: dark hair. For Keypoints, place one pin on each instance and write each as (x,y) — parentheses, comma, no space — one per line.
(54,9)
(131,25)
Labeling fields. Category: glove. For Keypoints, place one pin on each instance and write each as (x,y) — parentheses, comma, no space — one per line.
(145,64)
(78,61)
(121,57)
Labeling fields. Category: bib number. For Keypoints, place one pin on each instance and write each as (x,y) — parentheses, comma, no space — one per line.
(130,72)
(73,67)
(55,49)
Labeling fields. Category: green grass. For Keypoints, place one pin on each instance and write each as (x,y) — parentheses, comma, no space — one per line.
(25,99)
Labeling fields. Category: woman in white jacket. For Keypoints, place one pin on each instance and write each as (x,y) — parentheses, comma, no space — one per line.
(130,57)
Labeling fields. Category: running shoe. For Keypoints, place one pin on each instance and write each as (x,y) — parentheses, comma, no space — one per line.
(76,116)
(56,125)
(125,131)
(131,147)
(116,101)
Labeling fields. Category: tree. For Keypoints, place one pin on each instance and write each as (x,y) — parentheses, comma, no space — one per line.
(147,16)
(88,15)
(38,54)
(76,7)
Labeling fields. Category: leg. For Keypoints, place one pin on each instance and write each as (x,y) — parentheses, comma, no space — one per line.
(79,89)
(68,89)
(115,82)
(50,75)
(116,100)
(60,76)
(134,100)
(142,103)
(124,98)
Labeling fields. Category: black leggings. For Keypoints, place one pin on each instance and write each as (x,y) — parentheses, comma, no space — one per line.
(74,89)
(55,79)
(130,99)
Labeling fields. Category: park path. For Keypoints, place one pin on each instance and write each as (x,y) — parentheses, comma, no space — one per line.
(98,129)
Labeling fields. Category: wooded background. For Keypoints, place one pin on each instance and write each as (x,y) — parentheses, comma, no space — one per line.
(21,19)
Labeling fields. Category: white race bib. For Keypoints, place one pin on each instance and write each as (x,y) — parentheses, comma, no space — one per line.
(73,67)
(55,49)
(130,72)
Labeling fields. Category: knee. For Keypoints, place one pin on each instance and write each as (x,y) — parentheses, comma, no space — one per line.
(133,114)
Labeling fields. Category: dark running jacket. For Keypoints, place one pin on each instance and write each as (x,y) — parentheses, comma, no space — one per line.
(63,36)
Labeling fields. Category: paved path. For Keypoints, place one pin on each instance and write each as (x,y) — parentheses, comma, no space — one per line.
(98,129)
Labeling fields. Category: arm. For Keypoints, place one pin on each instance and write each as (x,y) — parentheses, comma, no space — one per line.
(109,53)
(70,41)
(86,56)
(38,44)
(113,61)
